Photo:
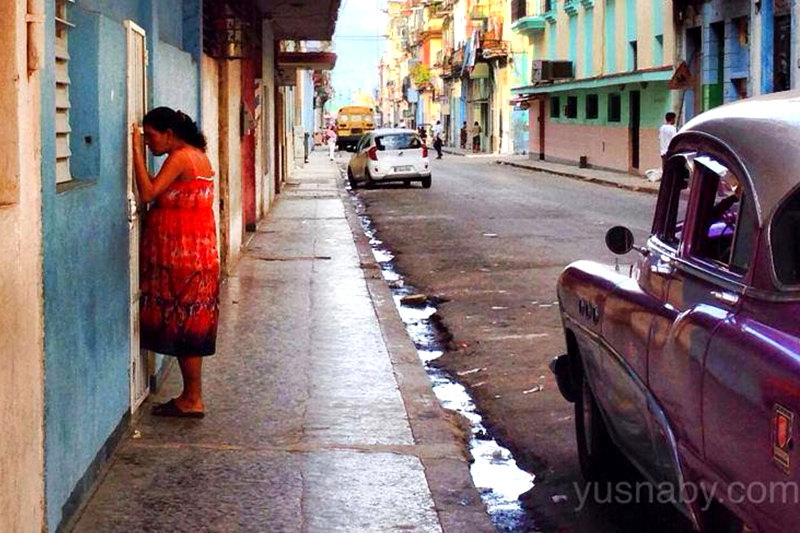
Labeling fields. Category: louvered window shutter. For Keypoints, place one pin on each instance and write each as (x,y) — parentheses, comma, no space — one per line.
(63,129)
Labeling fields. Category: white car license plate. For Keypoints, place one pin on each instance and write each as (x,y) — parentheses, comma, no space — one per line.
(403,169)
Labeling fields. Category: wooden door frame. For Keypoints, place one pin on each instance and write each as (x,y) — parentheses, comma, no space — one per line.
(146,358)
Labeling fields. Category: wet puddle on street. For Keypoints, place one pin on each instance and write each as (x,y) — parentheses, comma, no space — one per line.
(494,469)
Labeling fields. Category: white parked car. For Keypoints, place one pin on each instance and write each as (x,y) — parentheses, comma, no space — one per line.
(389,155)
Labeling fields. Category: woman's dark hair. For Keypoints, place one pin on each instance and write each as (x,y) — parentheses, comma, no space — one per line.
(165,118)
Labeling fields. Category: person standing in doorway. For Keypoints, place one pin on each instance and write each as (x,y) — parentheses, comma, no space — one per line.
(475,132)
(463,136)
(331,140)
(665,134)
(179,273)
(437,138)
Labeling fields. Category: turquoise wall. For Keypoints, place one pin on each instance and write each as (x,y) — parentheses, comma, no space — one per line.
(85,232)
(658,31)
(573,41)
(655,101)
(551,41)
(630,31)
(588,42)
(611,37)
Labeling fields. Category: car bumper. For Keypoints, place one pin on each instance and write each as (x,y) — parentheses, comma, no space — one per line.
(387,173)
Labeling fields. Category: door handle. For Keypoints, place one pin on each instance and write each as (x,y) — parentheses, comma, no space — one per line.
(725,297)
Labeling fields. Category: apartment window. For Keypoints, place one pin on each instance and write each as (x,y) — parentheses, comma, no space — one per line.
(571,110)
(555,107)
(615,107)
(591,106)
(633,50)
(63,129)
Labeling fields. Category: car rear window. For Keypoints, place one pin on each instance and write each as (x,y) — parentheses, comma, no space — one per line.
(398,141)
(785,237)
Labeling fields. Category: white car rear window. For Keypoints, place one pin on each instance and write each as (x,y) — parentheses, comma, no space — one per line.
(398,141)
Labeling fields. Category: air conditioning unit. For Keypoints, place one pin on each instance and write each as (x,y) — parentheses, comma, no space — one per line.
(547,71)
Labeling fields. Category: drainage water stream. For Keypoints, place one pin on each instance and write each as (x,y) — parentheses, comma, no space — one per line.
(494,470)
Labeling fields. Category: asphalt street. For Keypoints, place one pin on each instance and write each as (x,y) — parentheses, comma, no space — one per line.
(490,241)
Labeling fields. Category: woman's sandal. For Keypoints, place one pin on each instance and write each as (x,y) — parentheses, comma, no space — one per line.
(170,408)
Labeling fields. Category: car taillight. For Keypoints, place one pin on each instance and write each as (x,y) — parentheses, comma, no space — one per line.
(424,150)
(373,153)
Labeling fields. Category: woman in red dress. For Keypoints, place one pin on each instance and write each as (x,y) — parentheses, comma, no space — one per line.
(179,275)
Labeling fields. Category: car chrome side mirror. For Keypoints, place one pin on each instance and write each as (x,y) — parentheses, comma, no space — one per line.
(619,240)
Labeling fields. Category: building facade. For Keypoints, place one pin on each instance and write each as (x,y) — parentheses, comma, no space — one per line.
(78,73)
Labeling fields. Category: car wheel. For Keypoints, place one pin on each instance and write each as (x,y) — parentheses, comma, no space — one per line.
(426,182)
(599,457)
(407,183)
(351,179)
(369,183)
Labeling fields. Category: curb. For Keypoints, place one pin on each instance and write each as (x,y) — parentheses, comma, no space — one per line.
(572,175)
(457,502)
(468,156)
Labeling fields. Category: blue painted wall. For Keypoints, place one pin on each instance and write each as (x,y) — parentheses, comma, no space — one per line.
(85,229)
(86,267)
(170,22)
(175,78)
(767,46)
(551,41)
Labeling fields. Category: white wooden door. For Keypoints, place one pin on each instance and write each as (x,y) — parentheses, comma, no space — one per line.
(137,105)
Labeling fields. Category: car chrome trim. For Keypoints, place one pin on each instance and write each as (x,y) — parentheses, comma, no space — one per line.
(693,267)
(656,411)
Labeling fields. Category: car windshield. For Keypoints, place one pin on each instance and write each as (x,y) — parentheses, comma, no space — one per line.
(342,118)
(398,141)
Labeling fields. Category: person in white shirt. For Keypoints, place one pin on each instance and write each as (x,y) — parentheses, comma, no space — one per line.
(665,134)
(331,142)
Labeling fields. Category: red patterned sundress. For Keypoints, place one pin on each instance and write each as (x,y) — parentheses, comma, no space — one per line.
(180,269)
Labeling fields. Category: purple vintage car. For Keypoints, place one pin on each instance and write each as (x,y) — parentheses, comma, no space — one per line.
(690,366)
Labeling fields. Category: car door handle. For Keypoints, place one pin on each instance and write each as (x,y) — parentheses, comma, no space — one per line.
(725,297)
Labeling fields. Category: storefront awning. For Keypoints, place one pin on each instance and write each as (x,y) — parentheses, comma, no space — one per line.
(307,60)
(641,76)
(312,20)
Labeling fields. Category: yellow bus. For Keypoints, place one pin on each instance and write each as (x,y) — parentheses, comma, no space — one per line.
(351,123)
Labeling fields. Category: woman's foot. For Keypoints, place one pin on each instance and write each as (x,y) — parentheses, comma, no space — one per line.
(173,409)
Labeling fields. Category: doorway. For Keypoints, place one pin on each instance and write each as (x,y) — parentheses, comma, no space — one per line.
(635,122)
(137,105)
(782,50)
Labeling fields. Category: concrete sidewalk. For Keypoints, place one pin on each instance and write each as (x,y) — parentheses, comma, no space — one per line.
(320,417)
(603,177)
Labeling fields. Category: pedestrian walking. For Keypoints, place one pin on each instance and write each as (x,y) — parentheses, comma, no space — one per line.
(179,269)
(437,138)
(475,132)
(463,136)
(331,140)
(665,134)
